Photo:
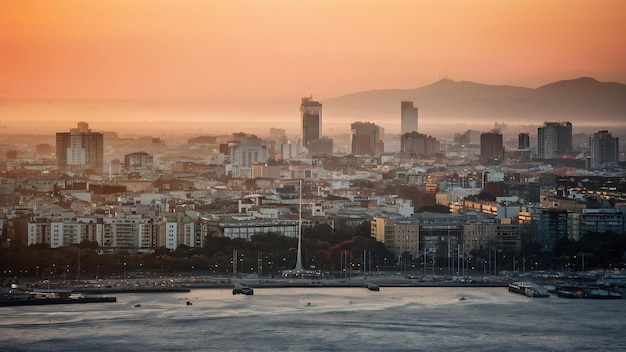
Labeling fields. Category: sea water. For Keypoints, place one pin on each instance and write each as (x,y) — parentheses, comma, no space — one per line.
(320,319)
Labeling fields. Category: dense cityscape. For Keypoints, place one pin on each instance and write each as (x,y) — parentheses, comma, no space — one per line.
(346,175)
(92,204)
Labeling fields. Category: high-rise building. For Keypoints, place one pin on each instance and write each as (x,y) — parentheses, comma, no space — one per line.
(415,145)
(604,150)
(366,139)
(552,225)
(491,148)
(554,139)
(80,150)
(523,141)
(311,114)
(408,117)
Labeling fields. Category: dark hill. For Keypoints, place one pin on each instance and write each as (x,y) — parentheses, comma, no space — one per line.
(582,101)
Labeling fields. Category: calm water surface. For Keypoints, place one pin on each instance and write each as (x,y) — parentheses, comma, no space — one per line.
(320,319)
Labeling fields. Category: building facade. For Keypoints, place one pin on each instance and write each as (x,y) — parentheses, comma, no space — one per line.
(491,147)
(523,141)
(552,225)
(80,150)
(400,236)
(408,122)
(246,228)
(554,139)
(138,161)
(604,150)
(311,116)
(415,145)
(247,151)
(366,139)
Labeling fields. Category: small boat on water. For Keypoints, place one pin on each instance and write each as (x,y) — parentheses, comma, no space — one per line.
(529,289)
(373,287)
(587,292)
(242,290)
(571,294)
(602,294)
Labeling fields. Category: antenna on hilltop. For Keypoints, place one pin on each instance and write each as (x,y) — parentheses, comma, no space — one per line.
(445,74)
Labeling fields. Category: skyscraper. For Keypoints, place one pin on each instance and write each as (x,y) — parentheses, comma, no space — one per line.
(416,145)
(523,141)
(311,114)
(80,150)
(408,117)
(366,139)
(491,148)
(604,150)
(554,139)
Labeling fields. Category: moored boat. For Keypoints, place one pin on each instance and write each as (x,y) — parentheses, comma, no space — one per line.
(529,289)
(602,294)
(373,287)
(571,294)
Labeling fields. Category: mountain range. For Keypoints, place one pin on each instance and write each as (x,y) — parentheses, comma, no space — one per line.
(583,101)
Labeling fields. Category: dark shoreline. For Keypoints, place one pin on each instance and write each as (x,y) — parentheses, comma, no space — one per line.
(50,301)
(346,284)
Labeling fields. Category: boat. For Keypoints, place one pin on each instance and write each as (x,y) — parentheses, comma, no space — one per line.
(189,303)
(529,289)
(602,294)
(571,294)
(589,292)
(244,290)
(138,305)
(373,287)
(536,291)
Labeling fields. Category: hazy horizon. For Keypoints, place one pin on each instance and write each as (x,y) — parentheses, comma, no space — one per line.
(243,65)
(162,119)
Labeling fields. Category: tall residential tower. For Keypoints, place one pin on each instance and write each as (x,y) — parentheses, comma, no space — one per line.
(491,147)
(311,114)
(80,150)
(604,150)
(366,139)
(408,117)
(554,139)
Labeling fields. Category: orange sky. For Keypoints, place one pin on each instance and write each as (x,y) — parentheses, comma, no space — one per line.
(257,50)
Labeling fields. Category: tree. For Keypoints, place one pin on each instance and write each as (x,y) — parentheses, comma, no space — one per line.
(11,154)
(44,148)
(485,195)
(437,208)
(412,193)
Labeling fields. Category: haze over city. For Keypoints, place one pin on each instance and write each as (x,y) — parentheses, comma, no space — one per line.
(138,66)
(290,175)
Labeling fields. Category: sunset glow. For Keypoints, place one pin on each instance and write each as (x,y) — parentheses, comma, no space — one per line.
(266,52)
